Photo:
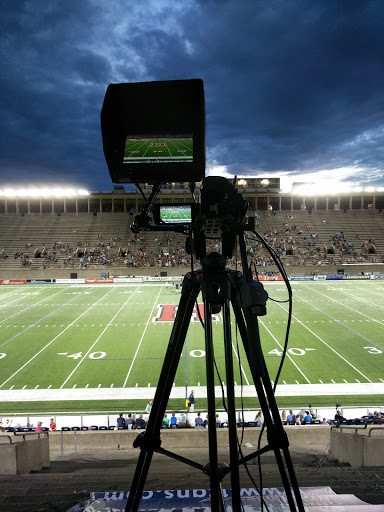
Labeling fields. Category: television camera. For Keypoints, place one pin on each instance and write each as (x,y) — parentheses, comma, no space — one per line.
(154,133)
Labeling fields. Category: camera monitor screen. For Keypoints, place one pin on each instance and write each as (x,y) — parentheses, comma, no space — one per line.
(158,149)
(176,214)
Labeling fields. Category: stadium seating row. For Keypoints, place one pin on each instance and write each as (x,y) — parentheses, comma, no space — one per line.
(84,232)
(365,420)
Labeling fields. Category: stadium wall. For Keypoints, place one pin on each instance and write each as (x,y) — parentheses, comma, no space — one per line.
(180,271)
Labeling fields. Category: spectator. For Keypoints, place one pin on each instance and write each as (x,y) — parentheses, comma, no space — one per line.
(165,421)
(38,428)
(259,420)
(284,417)
(311,411)
(297,420)
(130,422)
(218,421)
(140,422)
(52,425)
(198,420)
(205,422)
(325,422)
(191,401)
(173,420)
(148,407)
(307,416)
(121,421)
(291,418)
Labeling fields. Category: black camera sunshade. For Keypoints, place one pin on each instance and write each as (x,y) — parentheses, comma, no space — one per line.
(154,131)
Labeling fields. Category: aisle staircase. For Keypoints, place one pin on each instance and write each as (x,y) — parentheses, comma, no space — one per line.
(72,479)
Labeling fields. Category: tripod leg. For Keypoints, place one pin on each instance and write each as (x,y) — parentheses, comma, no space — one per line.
(281,432)
(217,502)
(150,440)
(232,428)
(277,436)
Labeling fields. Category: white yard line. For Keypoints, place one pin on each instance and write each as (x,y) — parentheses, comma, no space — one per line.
(36,322)
(345,306)
(326,344)
(97,339)
(87,393)
(149,321)
(18,297)
(29,307)
(282,348)
(360,295)
(241,366)
(54,339)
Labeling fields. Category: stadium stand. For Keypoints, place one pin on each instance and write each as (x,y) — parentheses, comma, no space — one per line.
(83,241)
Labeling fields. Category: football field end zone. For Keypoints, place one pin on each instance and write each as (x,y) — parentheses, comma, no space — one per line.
(284,390)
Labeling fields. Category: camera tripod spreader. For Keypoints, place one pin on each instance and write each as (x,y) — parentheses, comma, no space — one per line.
(220,288)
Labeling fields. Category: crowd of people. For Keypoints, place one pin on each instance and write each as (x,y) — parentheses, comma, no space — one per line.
(295,244)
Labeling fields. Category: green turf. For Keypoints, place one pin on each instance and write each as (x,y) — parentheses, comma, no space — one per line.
(65,336)
(162,149)
(137,406)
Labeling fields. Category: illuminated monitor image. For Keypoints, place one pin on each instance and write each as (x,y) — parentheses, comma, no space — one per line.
(176,214)
(158,149)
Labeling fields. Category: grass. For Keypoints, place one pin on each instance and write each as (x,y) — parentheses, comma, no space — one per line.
(136,406)
(67,337)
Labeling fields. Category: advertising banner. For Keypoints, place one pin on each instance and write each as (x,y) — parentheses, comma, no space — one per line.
(198,500)
(70,281)
(41,281)
(334,277)
(361,276)
(301,278)
(91,281)
(271,278)
(169,278)
(13,281)
(127,279)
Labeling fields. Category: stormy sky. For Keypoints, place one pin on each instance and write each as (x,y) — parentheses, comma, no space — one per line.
(293,88)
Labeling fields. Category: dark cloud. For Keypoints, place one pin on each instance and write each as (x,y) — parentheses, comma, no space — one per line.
(291,87)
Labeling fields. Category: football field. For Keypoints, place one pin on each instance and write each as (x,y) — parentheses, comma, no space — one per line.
(153,149)
(108,341)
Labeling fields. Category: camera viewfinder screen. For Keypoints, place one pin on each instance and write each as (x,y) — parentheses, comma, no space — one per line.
(174,214)
(158,149)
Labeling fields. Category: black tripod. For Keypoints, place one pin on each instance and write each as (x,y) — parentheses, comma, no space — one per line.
(220,287)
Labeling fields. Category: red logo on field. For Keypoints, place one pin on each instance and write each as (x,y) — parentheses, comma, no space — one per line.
(167,313)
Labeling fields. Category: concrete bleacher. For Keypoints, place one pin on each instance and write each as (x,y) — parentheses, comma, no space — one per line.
(357,227)
(85,231)
(106,462)
(74,231)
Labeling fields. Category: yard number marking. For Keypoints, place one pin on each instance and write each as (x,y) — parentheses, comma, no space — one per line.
(293,351)
(373,350)
(197,353)
(93,355)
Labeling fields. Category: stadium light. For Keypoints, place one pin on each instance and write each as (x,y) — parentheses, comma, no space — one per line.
(43,192)
(264,182)
(330,188)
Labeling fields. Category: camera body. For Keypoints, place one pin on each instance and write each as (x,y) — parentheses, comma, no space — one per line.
(154,132)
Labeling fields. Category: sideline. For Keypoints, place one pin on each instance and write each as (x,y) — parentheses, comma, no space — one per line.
(45,395)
